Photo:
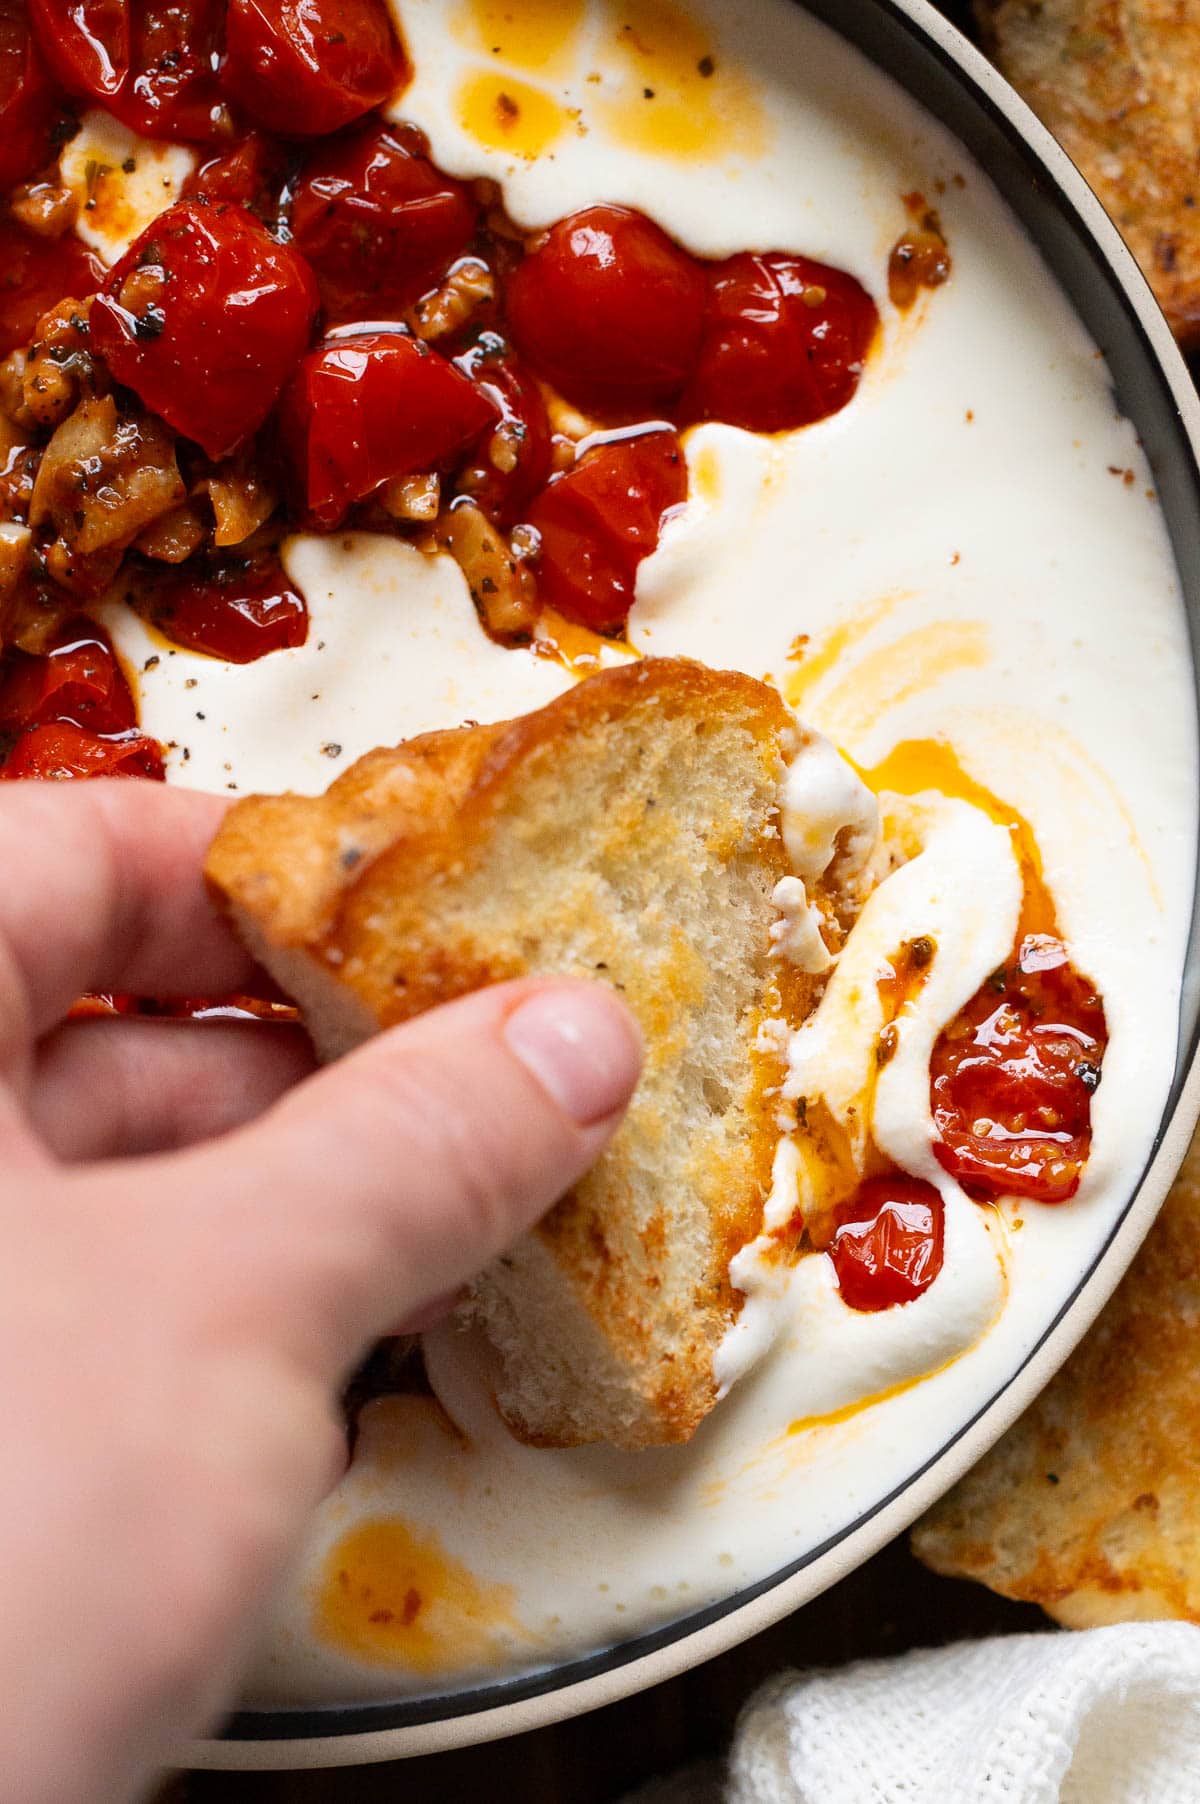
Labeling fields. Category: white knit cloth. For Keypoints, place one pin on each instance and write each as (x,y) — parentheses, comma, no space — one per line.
(1110,1716)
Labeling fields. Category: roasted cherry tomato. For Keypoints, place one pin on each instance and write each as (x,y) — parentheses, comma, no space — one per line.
(205,318)
(252,175)
(600,520)
(1012,1079)
(103,1004)
(379,224)
(29,108)
(784,344)
(232,608)
(60,750)
(610,312)
(371,406)
(35,275)
(512,463)
(888,1244)
(86,44)
(79,680)
(306,67)
(171,90)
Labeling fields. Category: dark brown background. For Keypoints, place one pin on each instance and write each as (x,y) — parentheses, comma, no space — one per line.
(889,1605)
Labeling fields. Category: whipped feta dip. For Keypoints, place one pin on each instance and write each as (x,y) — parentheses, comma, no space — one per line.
(971,552)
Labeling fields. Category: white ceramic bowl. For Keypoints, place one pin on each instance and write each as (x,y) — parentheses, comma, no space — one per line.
(941,70)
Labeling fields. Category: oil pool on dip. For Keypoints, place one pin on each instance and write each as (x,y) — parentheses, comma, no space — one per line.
(602,329)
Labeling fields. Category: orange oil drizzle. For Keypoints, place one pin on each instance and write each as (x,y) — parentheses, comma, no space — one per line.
(577,648)
(501,112)
(916,765)
(646,71)
(810,668)
(392,1595)
(680,96)
(538,37)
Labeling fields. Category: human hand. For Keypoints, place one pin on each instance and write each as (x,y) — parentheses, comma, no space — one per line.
(200,1239)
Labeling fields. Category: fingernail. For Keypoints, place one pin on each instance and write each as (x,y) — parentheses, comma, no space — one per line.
(581,1046)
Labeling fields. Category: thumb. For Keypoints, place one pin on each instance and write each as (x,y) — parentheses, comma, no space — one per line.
(395,1175)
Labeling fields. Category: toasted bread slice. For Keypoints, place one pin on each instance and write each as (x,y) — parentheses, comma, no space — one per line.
(1118,83)
(1090,1505)
(626,833)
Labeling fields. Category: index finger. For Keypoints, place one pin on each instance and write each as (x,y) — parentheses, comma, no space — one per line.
(104,891)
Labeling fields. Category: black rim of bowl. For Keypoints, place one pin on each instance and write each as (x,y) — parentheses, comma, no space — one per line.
(926,62)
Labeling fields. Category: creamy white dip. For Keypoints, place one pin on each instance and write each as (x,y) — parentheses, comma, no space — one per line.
(966,557)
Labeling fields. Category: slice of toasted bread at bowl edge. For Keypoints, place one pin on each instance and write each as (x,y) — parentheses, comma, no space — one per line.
(1118,83)
(628,833)
(1090,1504)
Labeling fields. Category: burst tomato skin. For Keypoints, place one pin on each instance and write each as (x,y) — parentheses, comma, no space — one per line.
(35,275)
(232,610)
(303,68)
(610,312)
(785,340)
(888,1245)
(78,680)
(251,175)
(59,750)
(379,224)
(172,90)
(369,406)
(211,348)
(1012,1078)
(503,493)
(29,107)
(85,43)
(600,520)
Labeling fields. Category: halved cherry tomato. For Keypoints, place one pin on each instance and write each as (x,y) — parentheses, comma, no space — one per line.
(172,89)
(251,175)
(508,470)
(1012,1079)
(379,224)
(29,107)
(236,609)
(205,318)
(306,67)
(600,520)
(784,343)
(889,1242)
(79,680)
(60,750)
(610,312)
(371,406)
(35,275)
(86,44)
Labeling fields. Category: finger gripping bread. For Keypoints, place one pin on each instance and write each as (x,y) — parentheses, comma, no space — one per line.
(627,833)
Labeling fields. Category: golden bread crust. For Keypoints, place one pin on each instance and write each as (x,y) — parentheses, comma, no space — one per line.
(1090,1505)
(1118,83)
